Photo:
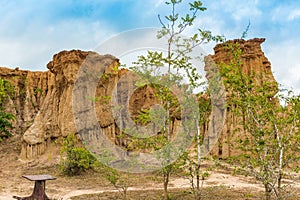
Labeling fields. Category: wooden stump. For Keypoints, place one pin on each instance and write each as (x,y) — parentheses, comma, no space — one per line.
(39,191)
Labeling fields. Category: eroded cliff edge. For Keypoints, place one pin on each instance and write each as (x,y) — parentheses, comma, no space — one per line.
(43,100)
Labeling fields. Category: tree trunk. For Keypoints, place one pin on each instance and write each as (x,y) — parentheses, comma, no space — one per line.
(38,192)
(166,182)
(279,180)
(198,195)
(280,169)
(198,187)
(124,194)
(268,191)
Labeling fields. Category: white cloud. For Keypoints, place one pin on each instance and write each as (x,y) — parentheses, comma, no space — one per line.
(284,57)
(36,45)
(158,3)
(294,14)
(237,9)
(285,13)
(246,12)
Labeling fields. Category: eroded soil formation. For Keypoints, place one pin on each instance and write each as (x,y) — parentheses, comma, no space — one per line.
(44,101)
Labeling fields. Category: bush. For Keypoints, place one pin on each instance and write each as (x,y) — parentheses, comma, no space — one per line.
(74,158)
(5,124)
(6,92)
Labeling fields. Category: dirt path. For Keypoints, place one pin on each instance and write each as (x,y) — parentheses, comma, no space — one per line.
(56,191)
(215,179)
(63,188)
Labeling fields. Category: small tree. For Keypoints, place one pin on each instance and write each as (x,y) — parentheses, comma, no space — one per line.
(118,180)
(193,158)
(268,131)
(178,61)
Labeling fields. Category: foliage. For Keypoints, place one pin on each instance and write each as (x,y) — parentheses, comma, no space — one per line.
(75,159)
(269,132)
(5,123)
(38,91)
(6,91)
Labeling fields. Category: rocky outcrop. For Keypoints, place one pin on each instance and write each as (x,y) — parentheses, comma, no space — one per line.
(253,62)
(46,109)
(31,88)
(56,118)
(253,59)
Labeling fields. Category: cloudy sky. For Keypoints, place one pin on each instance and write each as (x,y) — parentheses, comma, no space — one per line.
(33,30)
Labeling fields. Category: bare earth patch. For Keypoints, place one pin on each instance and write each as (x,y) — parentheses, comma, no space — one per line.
(221,184)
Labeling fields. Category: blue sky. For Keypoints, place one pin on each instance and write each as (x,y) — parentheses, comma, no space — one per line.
(33,31)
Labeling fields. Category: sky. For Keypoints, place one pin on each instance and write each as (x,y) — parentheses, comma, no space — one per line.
(32,31)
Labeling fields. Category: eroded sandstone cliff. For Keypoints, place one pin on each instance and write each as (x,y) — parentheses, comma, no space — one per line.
(44,101)
(31,89)
(253,62)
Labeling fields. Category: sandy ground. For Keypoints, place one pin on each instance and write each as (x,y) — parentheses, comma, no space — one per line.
(63,188)
(59,189)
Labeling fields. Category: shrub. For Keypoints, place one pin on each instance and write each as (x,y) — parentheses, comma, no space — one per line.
(75,159)
(6,91)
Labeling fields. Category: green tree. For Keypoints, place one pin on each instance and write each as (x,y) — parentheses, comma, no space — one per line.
(6,92)
(269,124)
(178,60)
